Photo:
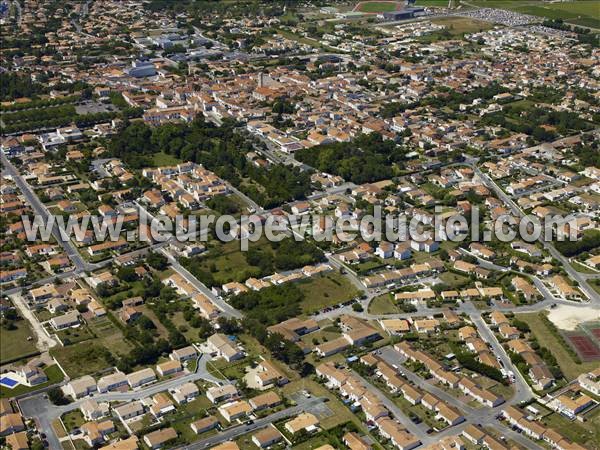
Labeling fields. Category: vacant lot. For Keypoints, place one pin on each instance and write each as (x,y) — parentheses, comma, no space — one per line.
(545,337)
(85,358)
(584,433)
(109,335)
(454,280)
(326,290)
(383,305)
(460,25)
(226,262)
(162,159)
(14,344)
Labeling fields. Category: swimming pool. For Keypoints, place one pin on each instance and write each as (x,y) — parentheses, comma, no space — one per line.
(8,382)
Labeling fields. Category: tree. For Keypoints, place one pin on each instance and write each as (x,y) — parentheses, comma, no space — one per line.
(127,274)
(57,396)
(157,261)
(357,307)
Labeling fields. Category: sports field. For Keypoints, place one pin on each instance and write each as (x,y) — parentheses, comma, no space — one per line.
(378,7)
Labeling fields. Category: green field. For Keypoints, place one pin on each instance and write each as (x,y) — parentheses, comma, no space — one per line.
(162,159)
(383,305)
(85,358)
(584,433)
(326,290)
(14,343)
(226,262)
(109,335)
(457,26)
(377,7)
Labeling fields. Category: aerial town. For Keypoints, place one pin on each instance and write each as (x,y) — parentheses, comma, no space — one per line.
(116,115)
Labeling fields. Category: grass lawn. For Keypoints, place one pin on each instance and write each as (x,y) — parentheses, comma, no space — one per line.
(85,358)
(53,373)
(383,304)
(58,429)
(14,343)
(595,284)
(74,335)
(163,159)
(325,334)
(438,3)
(325,290)
(227,262)
(454,280)
(220,368)
(73,419)
(378,7)
(340,415)
(545,337)
(582,269)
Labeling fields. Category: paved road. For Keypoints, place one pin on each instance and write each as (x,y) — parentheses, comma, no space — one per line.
(522,390)
(43,342)
(582,280)
(39,407)
(225,307)
(257,208)
(235,432)
(480,416)
(41,210)
(397,412)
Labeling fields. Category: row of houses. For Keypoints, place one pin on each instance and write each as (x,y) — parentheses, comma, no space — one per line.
(448,378)
(384,278)
(86,385)
(276,279)
(359,396)
(535,430)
